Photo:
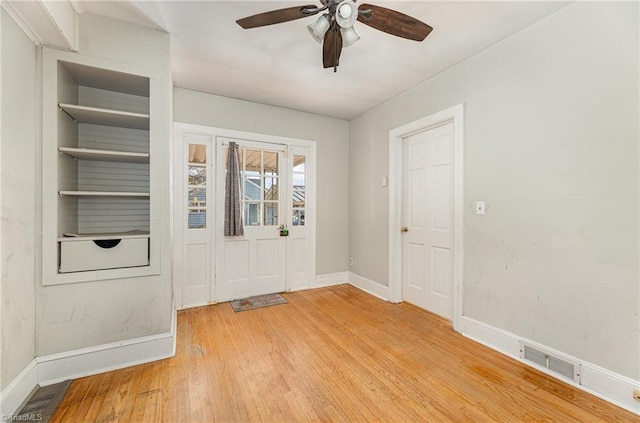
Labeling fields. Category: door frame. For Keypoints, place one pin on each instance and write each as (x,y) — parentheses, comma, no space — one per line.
(178,221)
(453,114)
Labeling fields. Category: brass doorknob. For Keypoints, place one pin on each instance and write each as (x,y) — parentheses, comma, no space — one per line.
(404,229)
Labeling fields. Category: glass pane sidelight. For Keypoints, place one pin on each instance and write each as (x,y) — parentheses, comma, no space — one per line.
(299,190)
(197,197)
(197,219)
(197,187)
(259,172)
(197,175)
(197,153)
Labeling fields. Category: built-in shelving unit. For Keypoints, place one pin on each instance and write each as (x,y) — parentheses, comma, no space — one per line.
(100,191)
(106,117)
(102,236)
(105,155)
(103,194)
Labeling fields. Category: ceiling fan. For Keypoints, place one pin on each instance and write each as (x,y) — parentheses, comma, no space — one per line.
(335,27)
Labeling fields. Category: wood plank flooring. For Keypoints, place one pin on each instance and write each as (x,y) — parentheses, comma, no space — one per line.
(331,354)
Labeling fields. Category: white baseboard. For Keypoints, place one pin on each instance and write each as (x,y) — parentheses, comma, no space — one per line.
(55,368)
(18,390)
(610,386)
(331,279)
(595,380)
(367,285)
(494,338)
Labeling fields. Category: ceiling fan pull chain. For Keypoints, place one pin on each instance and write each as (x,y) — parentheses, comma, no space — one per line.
(335,43)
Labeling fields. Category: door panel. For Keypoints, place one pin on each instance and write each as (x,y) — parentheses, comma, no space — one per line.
(254,263)
(441,274)
(415,266)
(301,254)
(196,252)
(236,261)
(196,256)
(299,259)
(268,253)
(428,208)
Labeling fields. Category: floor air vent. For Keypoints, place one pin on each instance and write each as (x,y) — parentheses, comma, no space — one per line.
(562,367)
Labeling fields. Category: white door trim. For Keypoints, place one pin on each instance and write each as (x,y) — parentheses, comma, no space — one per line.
(453,114)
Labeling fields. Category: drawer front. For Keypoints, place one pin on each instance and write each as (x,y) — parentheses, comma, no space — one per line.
(80,256)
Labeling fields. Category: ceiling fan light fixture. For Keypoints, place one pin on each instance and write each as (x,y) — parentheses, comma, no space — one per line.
(349,36)
(319,28)
(346,13)
(342,15)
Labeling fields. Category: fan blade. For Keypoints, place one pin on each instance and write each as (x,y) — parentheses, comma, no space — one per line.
(332,47)
(277,16)
(394,23)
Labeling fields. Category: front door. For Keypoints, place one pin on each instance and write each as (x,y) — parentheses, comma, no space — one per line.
(427,265)
(255,263)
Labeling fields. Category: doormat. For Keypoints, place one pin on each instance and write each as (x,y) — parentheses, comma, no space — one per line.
(43,403)
(257,302)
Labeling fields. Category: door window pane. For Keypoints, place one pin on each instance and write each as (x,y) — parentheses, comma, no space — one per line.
(197,197)
(252,214)
(197,219)
(298,199)
(270,214)
(299,163)
(270,163)
(252,189)
(270,189)
(253,161)
(298,217)
(197,175)
(197,153)
(298,180)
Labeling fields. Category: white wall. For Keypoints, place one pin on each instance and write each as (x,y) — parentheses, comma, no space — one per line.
(17,313)
(332,137)
(79,315)
(551,145)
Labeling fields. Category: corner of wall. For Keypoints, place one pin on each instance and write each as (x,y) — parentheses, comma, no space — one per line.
(18,391)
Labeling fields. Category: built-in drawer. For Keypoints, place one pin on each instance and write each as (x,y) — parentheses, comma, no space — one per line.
(79,255)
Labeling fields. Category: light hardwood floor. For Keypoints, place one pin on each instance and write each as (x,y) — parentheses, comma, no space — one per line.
(331,354)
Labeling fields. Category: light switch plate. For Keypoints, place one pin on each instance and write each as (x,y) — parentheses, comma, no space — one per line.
(479,207)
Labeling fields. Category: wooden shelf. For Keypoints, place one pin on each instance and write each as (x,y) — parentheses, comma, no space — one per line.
(103,194)
(105,155)
(106,117)
(102,236)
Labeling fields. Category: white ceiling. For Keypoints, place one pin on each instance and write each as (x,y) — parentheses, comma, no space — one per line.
(281,64)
